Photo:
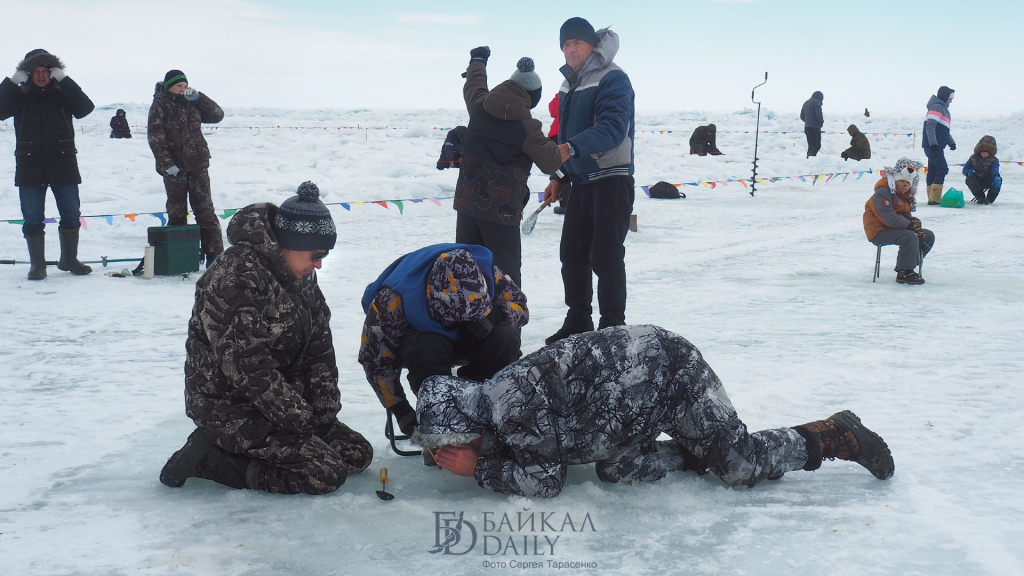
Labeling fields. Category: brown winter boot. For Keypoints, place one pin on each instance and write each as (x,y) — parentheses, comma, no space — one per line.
(934,194)
(69,253)
(37,256)
(843,436)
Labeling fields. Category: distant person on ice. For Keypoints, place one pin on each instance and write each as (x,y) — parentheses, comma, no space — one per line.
(860,148)
(503,141)
(982,171)
(43,100)
(887,219)
(605,397)
(176,121)
(119,127)
(261,378)
(434,306)
(702,142)
(813,122)
(596,127)
(936,138)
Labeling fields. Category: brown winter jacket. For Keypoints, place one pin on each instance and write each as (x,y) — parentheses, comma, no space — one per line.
(860,148)
(702,141)
(885,209)
(502,142)
(176,131)
(259,353)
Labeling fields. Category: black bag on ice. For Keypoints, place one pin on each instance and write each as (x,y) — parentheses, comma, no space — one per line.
(665,190)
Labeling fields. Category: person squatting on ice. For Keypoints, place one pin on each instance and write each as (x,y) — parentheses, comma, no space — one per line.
(860,148)
(119,127)
(502,142)
(261,378)
(176,121)
(596,127)
(431,308)
(605,397)
(887,219)
(982,172)
(810,113)
(936,138)
(42,98)
(702,141)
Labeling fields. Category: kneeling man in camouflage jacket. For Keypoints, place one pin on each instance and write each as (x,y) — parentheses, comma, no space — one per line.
(261,381)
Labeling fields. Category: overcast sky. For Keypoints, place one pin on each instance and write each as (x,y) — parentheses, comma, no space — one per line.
(889,56)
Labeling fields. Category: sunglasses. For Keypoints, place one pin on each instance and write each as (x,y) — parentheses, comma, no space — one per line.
(318,256)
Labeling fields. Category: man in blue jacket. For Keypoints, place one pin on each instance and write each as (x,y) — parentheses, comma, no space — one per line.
(595,120)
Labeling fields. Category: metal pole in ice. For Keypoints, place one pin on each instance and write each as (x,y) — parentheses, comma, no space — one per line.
(753,177)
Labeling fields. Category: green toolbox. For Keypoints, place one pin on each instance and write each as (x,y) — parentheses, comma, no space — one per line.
(176,249)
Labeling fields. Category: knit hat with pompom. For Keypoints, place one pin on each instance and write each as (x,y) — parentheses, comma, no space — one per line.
(528,79)
(304,223)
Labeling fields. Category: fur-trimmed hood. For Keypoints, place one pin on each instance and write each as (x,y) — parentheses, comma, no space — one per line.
(986,144)
(44,59)
(903,164)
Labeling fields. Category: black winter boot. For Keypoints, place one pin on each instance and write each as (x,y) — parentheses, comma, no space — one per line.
(201,458)
(843,436)
(69,253)
(908,277)
(37,256)
(568,330)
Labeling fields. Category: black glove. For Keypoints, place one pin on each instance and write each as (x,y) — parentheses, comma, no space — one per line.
(952,145)
(405,415)
(476,330)
(935,148)
(481,53)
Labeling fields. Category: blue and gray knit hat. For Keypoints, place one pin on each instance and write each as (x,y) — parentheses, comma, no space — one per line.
(528,79)
(304,223)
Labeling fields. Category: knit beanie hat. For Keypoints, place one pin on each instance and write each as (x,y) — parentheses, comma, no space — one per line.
(944,93)
(304,223)
(577,28)
(457,290)
(173,77)
(34,52)
(528,79)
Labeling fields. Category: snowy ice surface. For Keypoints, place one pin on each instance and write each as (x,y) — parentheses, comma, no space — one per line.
(775,290)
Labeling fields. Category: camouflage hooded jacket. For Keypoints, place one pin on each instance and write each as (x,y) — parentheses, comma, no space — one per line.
(259,352)
(176,129)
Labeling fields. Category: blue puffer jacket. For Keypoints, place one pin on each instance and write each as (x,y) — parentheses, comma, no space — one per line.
(595,112)
(936,125)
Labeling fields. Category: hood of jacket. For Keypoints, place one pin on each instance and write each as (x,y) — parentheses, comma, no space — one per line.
(251,227)
(986,144)
(42,59)
(508,101)
(890,180)
(935,103)
(605,51)
(450,411)
(818,96)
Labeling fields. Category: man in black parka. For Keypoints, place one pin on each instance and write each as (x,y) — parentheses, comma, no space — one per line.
(810,113)
(43,100)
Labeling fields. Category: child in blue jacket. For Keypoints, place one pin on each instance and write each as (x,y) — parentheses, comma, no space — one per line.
(982,171)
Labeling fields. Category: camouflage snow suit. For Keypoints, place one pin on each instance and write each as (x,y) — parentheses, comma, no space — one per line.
(176,138)
(603,397)
(260,375)
(456,298)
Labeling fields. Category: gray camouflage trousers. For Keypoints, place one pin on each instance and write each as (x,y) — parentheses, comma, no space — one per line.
(289,463)
(192,187)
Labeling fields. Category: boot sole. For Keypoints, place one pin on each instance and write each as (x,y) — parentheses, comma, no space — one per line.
(874,452)
(178,468)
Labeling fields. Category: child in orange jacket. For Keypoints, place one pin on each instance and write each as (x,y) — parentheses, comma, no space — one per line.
(887,219)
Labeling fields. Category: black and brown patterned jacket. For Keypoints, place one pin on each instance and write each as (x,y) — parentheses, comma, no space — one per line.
(176,130)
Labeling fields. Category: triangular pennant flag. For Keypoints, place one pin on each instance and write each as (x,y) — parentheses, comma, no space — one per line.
(345,206)
(401,208)
(131,216)
(81,220)
(712,185)
(435,201)
(228,213)
(381,203)
(860,175)
(16,221)
(705,184)
(540,197)
(362,205)
(160,215)
(647,190)
(50,221)
(417,200)
(744,182)
(109,219)
(802,179)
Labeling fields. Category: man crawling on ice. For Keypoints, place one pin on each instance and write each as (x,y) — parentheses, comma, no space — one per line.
(605,397)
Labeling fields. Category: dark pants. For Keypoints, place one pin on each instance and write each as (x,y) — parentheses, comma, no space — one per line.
(33,205)
(504,242)
(912,248)
(978,187)
(937,167)
(596,223)
(289,463)
(192,187)
(427,354)
(813,140)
